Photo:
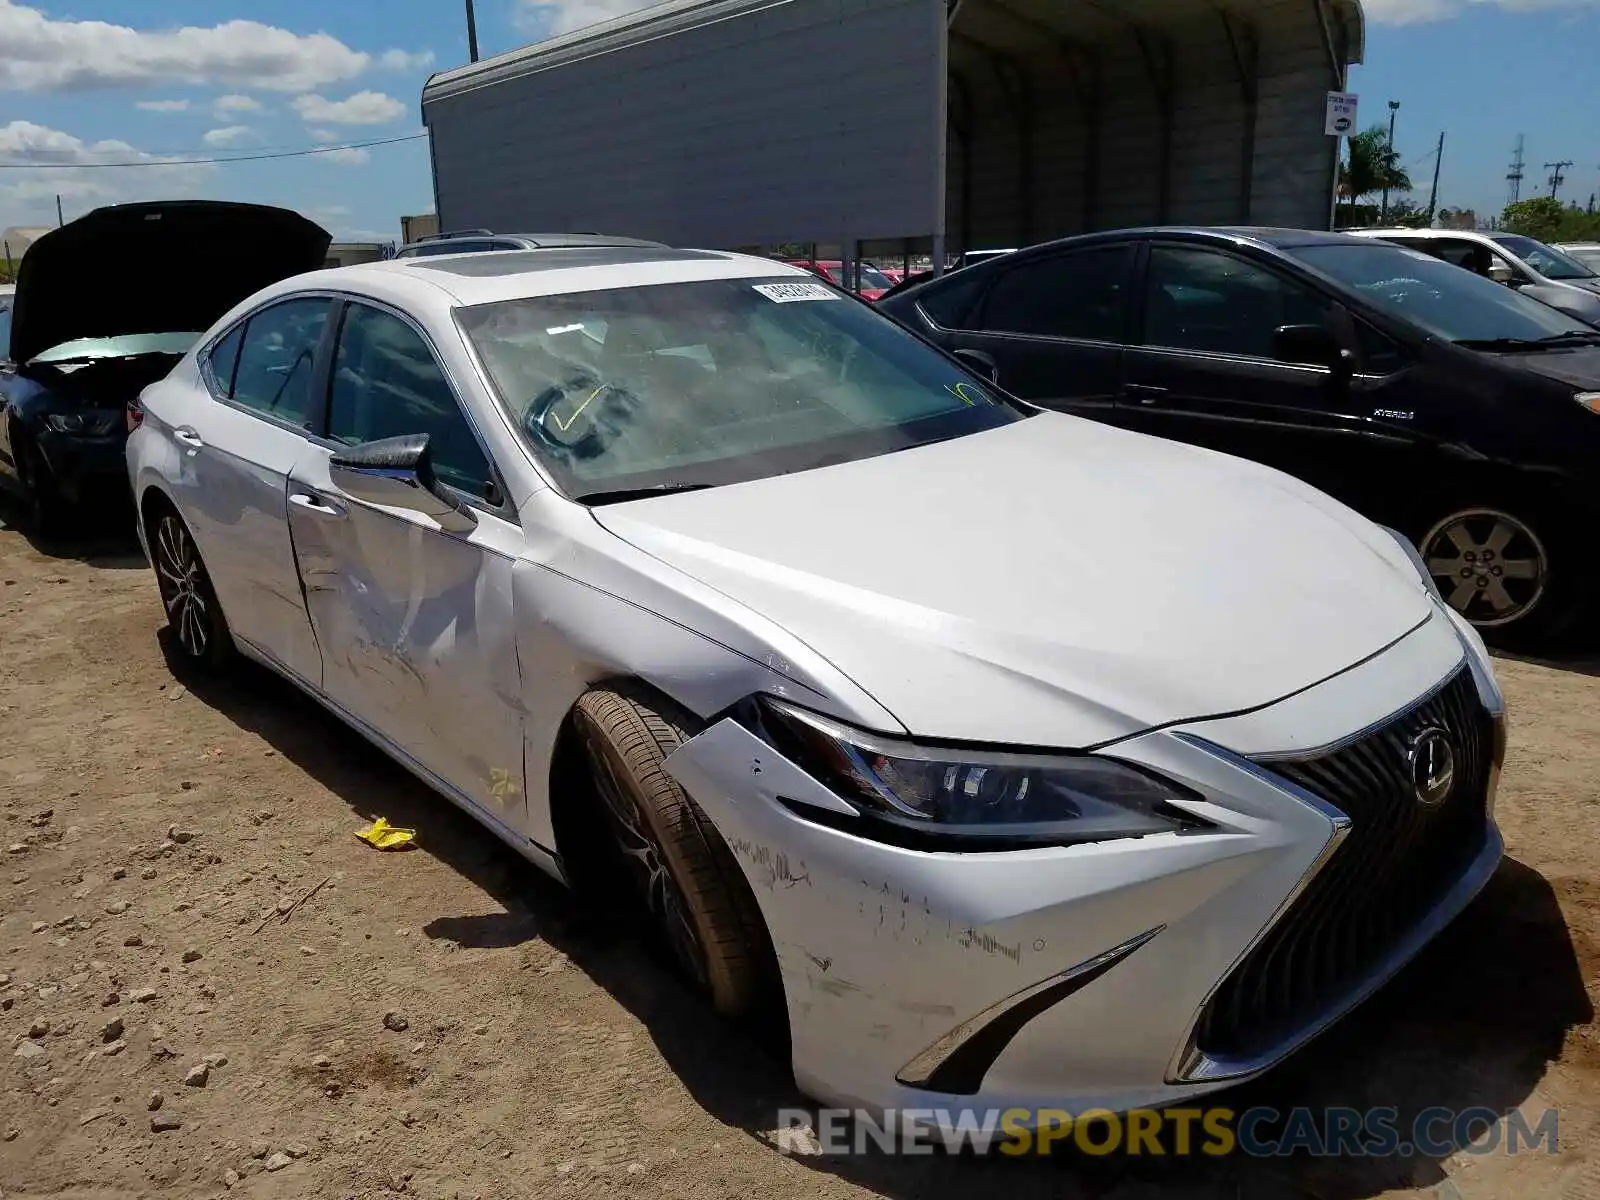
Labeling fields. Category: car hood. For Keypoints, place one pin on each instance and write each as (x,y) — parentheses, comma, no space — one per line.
(169,267)
(1577,366)
(1054,582)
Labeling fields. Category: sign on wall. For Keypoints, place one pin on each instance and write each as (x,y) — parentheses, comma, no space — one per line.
(1340,120)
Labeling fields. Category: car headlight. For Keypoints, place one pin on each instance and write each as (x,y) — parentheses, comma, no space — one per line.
(1415,556)
(1590,400)
(919,794)
(89,424)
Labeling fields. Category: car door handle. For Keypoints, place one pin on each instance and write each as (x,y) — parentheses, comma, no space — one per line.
(315,504)
(1144,393)
(188,437)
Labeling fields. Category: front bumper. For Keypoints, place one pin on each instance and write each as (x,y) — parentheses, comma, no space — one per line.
(1081,975)
(86,470)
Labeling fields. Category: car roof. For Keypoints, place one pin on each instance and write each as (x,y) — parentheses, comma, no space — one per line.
(461,280)
(1422,234)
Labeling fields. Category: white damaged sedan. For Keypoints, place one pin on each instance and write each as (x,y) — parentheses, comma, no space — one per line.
(1020,759)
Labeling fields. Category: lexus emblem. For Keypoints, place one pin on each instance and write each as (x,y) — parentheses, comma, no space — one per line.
(1433,767)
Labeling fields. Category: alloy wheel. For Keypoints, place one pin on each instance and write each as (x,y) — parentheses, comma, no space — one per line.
(1489,566)
(645,864)
(179,576)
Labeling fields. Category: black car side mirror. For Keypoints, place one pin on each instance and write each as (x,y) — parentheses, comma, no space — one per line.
(398,472)
(980,364)
(1310,345)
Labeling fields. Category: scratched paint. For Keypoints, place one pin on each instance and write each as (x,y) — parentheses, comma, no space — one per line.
(773,865)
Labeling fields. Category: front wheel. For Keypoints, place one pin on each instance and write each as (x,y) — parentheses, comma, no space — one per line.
(691,891)
(193,614)
(1494,566)
(39,492)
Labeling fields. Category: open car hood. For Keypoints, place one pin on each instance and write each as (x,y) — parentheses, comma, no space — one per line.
(162,267)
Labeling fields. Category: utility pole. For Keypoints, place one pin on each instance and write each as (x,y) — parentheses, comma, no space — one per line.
(1558,175)
(59,221)
(1515,175)
(472,33)
(1433,196)
(1383,212)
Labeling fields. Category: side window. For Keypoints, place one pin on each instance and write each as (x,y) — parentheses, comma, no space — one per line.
(224,357)
(950,301)
(277,358)
(1079,295)
(1379,354)
(1209,301)
(5,332)
(387,384)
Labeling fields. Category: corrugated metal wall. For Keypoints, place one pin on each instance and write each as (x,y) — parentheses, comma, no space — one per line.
(800,120)
(750,122)
(1083,182)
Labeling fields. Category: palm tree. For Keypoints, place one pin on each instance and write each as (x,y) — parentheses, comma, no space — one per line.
(1370,166)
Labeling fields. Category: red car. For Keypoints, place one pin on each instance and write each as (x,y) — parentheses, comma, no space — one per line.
(874,282)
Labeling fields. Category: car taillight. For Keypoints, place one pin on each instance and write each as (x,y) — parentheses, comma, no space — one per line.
(135,415)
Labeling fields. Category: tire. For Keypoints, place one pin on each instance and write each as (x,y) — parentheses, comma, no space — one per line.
(45,508)
(1500,566)
(697,903)
(199,630)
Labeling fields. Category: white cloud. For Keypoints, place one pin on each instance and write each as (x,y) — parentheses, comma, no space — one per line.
(44,54)
(363,108)
(223,106)
(27,197)
(546,18)
(324,135)
(163,106)
(346,156)
(229,135)
(1414,12)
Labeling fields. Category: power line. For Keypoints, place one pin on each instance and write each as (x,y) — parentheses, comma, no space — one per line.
(194,162)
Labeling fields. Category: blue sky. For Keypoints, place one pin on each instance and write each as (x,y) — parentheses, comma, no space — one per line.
(146,80)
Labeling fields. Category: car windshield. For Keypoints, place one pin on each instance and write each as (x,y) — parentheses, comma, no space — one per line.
(1442,299)
(1546,260)
(696,384)
(126,345)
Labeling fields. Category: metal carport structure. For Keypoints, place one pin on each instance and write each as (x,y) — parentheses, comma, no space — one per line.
(897,125)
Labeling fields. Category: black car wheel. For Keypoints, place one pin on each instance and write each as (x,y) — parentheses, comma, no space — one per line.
(193,613)
(39,491)
(1493,567)
(693,894)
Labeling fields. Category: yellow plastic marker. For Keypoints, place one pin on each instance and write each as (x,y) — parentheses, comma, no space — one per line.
(386,836)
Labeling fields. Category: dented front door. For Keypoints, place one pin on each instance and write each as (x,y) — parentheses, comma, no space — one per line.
(415,628)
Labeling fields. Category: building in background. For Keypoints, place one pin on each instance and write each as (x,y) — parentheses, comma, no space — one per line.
(413,229)
(890,127)
(349,254)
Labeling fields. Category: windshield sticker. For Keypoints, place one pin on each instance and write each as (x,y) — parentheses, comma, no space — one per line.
(789,293)
(966,393)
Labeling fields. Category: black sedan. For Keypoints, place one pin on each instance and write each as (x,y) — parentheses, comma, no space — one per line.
(1422,395)
(107,304)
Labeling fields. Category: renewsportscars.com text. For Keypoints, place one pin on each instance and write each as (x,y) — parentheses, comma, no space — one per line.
(1177,1132)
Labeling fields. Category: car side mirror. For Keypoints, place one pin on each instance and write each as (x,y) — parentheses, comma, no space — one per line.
(1502,273)
(397,472)
(980,364)
(1309,345)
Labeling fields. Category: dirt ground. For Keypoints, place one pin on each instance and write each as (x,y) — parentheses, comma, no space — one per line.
(153,832)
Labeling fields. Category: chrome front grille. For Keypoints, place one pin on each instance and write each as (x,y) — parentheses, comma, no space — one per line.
(1399,860)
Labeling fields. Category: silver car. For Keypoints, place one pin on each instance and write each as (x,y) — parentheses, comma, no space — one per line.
(946,727)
